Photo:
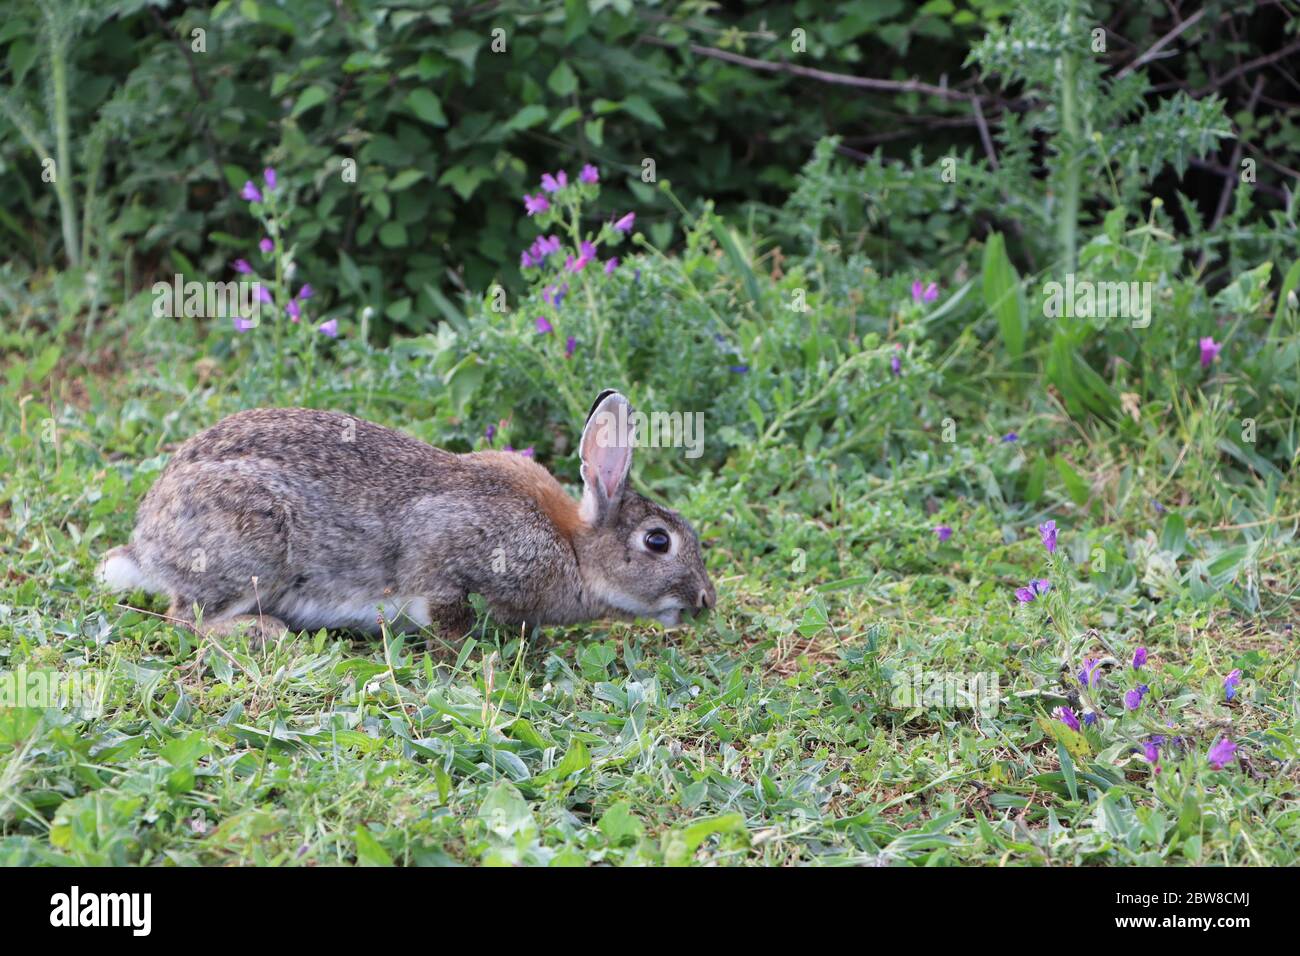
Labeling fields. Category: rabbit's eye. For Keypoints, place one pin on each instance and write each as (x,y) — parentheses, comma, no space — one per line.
(658,541)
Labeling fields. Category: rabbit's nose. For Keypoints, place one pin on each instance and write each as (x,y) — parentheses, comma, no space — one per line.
(705,600)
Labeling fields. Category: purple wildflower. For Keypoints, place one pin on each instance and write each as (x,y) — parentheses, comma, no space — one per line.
(1230,684)
(1089,718)
(896,364)
(1066,716)
(242,267)
(944,532)
(490,432)
(1026,595)
(740,369)
(924,293)
(1151,752)
(553,295)
(250,192)
(1047,530)
(625,224)
(570,346)
(1139,658)
(543,326)
(242,324)
(269,176)
(294,310)
(1221,753)
(330,328)
(1209,350)
(589,174)
(1041,585)
(525,260)
(306,292)
(527,452)
(1010,437)
(611,265)
(1133,699)
(554,183)
(535,204)
(1088,676)
(263,295)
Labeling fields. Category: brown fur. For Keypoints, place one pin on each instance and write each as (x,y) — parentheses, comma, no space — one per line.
(532,479)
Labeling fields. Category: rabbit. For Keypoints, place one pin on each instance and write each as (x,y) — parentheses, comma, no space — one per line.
(279,519)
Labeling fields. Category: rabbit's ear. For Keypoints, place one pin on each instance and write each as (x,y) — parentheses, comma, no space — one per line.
(606,450)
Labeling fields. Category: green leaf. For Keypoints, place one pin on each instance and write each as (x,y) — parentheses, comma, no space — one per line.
(1004,296)
(562,80)
(1173,537)
(425,105)
(393,235)
(505,813)
(312,96)
(619,825)
(405,179)
(527,118)
(815,618)
(369,852)
(642,110)
(567,118)
(1075,486)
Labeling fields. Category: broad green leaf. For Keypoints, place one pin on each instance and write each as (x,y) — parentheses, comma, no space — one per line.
(1004,296)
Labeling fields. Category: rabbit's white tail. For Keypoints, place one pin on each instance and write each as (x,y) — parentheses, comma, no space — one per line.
(120,572)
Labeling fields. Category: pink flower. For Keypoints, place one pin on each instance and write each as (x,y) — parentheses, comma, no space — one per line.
(625,224)
(554,183)
(250,192)
(544,326)
(295,313)
(611,265)
(525,260)
(306,292)
(268,174)
(330,328)
(1221,753)
(266,245)
(535,204)
(242,267)
(589,174)
(924,293)
(1209,350)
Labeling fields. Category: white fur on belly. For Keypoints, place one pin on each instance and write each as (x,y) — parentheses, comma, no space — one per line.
(355,613)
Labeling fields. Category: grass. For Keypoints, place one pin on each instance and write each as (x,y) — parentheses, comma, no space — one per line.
(774,733)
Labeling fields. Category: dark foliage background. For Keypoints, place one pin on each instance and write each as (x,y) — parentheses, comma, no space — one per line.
(447,135)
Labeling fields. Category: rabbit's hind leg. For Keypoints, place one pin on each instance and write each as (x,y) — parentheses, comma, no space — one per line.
(260,628)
